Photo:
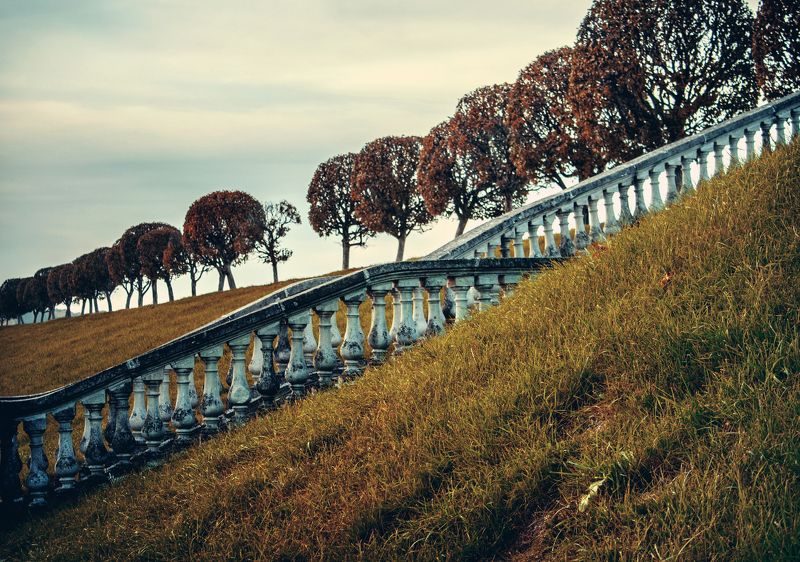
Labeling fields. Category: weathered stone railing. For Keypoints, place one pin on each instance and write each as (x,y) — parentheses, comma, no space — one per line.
(280,368)
(607,197)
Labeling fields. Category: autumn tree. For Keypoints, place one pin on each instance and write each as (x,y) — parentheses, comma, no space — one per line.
(222,229)
(152,247)
(179,260)
(385,188)
(23,296)
(546,144)
(776,47)
(9,305)
(649,72)
(124,264)
(278,219)
(59,286)
(332,211)
(32,295)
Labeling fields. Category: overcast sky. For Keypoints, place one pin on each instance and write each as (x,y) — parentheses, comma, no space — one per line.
(116,113)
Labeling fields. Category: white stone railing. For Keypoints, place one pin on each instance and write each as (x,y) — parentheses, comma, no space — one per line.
(616,197)
(146,430)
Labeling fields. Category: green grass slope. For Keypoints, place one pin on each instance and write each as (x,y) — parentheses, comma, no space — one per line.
(641,402)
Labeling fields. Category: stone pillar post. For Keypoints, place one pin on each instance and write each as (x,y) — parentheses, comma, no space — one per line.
(378,338)
(550,248)
(164,401)
(309,341)
(625,216)
(566,248)
(397,314)
(283,350)
(325,358)
(795,116)
(268,385)
(66,464)
(239,392)
(656,203)
(418,315)
(519,247)
(486,284)
(123,443)
(750,144)
(352,350)
(37,480)
(111,423)
(686,175)
(733,147)
(638,194)
(766,139)
(702,158)
(255,368)
(153,428)
(297,372)
(96,453)
(672,187)
(406,331)
(139,412)
(533,239)
(336,342)
(211,406)
(611,225)
(595,232)
(780,130)
(719,165)
(183,416)
(433,285)
(461,286)
(10,463)
(582,240)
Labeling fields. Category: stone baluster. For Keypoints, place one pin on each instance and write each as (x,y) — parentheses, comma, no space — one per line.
(123,443)
(111,424)
(533,239)
(510,282)
(449,307)
(183,417)
(378,337)
(418,317)
(433,285)
(702,158)
(795,116)
(256,368)
(595,232)
(780,130)
(686,175)
(566,248)
(212,407)
(638,194)
(336,342)
(406,331)
(397,304)
(309,341)
(492,248)
(37,480)
(611,225)
(461,286)
(96,453)
(139,412)
(750,144)
(550,248)
(153,428)
(505,246)
(719,165)
(486,283)
(625,216)
(10,464)
(582,240)
(66,468)
(164,401)
(268,385)
(519,246)
(239,391)
(283,350)
(352,349)
(297,373)
(672,187)
(656,203)
(733,148)
(766,139)
(325,358)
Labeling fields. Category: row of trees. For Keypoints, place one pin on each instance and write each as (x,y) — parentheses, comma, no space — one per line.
(221,229)
(642,73)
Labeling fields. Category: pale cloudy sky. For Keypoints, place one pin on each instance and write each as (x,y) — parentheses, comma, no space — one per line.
(114,113)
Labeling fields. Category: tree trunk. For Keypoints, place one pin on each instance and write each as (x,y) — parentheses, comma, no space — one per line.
(69,311)
(345,255)
(401,246)
(462,224)
(508,203)
(141,293)
(96,307)
(169,290)
(221,285)
(274,272)
(128,296)
(154,290)
(108,300)
(229,276)
(194,286)
(83,306)
(35,316)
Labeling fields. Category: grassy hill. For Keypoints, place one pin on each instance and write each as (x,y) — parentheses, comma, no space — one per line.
(641,402)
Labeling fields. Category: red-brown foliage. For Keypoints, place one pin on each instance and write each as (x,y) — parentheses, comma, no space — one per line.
(123,261)
(776,47)
(152,247)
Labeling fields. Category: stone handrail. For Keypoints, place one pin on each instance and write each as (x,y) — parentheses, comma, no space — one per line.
(660,167)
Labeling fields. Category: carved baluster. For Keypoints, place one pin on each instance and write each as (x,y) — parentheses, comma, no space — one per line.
(611,225)
(795,115)
(352,349)
(397,304)
(336,342)
(153,428)
(582,240)
(486,284)
(66,464)
(733,147)
(297,373)
(96,453)
(268,381)
(256,368)
(625,216)
(702,158)
(595,232)
(309,341)
(750,144)
(211,405)
(194,399)
(491,248)
(108,432)
(780,130)
(550,248)
(719,165)
(325,358)
(10,463)
(37,480)
(122,443)
(672,187)
(566,247)
(519,247)
(183,417)
(686,175)
(766,139)
(461,286)
(418,318)
(406,331)
(656,203)
(239,392)
(378,337)
(164,401)
(533,239)
(283,350)
(433,285)
(139,412)
(638,194)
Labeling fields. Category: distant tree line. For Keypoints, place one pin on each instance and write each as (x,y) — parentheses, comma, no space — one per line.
(641,73)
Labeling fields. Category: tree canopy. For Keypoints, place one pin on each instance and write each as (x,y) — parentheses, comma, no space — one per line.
(776,47)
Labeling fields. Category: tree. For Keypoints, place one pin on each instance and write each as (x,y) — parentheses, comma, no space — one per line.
(222,229)
(333,207)
(59,286)
(9,305)
(179,260)
(152,248)
(649,72)
(41,296)
(124,264)
(776,47)
(385,188)
(546,145)
(278,218)
(32,295)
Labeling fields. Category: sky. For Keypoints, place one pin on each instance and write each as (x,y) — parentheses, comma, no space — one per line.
(115,113)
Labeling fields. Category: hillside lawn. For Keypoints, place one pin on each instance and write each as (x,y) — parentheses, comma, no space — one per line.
(639,402)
